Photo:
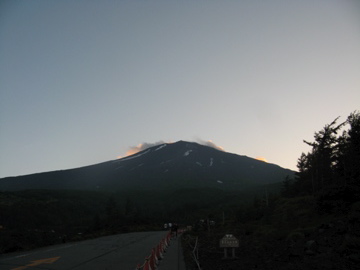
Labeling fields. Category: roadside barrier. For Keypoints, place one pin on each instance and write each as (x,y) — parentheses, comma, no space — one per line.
(157,253)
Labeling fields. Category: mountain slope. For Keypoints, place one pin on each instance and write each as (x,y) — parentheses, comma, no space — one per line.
(180,164)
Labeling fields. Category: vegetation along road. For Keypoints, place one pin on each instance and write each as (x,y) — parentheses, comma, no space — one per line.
(123,251)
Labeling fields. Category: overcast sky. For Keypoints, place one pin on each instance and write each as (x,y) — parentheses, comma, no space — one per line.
(81,82)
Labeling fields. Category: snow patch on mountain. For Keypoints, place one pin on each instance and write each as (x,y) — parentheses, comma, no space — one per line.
(161,146)
(211,162)
(198,163)
(187,153)
(220,182)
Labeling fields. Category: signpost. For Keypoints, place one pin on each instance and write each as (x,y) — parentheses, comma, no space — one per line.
(229,241)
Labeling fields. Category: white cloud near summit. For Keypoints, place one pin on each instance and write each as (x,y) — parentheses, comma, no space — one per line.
(211,144)
(145,145)
(142,146)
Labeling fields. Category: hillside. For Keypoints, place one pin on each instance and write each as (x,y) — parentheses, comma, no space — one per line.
(176,165)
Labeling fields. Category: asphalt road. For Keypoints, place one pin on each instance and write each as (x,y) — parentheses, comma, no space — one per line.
(117,252)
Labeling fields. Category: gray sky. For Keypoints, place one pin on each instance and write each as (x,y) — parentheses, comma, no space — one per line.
(81,82)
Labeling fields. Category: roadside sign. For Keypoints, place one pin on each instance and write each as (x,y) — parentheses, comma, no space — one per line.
(229,241)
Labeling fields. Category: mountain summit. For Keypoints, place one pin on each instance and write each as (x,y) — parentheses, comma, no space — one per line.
(169,165)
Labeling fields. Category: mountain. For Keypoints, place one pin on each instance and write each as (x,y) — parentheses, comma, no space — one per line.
(174,165)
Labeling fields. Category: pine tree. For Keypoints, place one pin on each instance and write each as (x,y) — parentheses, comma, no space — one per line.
(323,156)
(287,188)
(305,177)
(352,149)
(331,170)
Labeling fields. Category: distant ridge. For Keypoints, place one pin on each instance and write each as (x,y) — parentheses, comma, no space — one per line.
(166,166)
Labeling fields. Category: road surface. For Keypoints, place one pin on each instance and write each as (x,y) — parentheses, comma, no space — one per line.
(116,252)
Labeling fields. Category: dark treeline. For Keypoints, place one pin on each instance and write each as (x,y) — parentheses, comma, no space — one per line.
(34,218)
(331,170)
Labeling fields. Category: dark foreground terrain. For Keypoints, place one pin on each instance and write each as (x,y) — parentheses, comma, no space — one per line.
(310,241)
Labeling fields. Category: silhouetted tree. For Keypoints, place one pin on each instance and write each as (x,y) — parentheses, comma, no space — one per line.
(348,167)
(113,213)
(287,189)
(131,211)
(353,148)
(333,160)
(305,176)
(324,154)
(96,223)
